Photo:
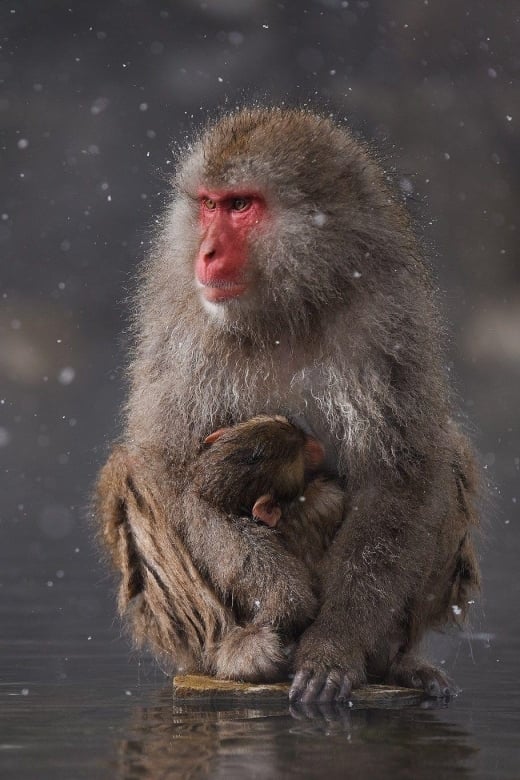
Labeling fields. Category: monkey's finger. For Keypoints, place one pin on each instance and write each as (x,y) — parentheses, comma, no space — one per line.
(314,688)
(450,690)
(321,687)
(330,689)
(346,689)
(299,684)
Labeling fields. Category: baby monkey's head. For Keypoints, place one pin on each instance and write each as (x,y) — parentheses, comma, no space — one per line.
(256,466)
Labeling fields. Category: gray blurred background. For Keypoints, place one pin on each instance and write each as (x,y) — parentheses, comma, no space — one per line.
(95,98)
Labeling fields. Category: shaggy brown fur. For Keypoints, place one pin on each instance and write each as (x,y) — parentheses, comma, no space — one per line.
(273,592)
(340,330)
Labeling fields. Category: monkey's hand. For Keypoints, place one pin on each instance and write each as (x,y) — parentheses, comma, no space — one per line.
(326,672)
(251,653)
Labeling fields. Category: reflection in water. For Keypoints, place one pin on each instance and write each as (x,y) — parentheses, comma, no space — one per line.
(266,740)
(200,739)
(91,716)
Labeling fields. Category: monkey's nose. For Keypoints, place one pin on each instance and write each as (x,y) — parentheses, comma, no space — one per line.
(213,246)
(208,250)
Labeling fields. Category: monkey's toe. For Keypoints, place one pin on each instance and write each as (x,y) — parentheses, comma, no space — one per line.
(437,685)
(417,674)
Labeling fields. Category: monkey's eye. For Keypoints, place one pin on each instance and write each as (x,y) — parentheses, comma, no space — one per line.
(210,204)
(252,458)
(240,204)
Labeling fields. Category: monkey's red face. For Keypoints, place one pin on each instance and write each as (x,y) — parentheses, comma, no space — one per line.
(226,219)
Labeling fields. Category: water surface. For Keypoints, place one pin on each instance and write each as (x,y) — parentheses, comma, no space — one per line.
(80,707)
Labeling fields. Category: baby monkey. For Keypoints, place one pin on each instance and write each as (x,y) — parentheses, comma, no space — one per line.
(257,467)
(268,469)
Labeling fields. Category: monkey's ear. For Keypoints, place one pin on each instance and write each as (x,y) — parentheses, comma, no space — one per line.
(213,437)
(313,453)
(267,511)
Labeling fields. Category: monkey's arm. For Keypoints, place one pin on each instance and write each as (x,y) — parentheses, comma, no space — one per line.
(377,560)
(249,566)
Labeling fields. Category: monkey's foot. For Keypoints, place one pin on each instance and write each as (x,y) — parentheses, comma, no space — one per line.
(252,654)
(412,672)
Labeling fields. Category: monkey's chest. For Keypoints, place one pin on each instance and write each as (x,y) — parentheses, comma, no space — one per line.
(294,386)
(302,401)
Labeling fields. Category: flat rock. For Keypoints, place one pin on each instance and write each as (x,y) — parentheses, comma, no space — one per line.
(197,685)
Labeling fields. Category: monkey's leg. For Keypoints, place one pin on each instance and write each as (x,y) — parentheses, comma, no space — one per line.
(248,564)
(171,605)
(454,578)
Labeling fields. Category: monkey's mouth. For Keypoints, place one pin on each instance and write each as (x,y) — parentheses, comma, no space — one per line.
(218,290)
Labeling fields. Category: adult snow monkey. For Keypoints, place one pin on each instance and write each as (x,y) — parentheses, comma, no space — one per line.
(285,280)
